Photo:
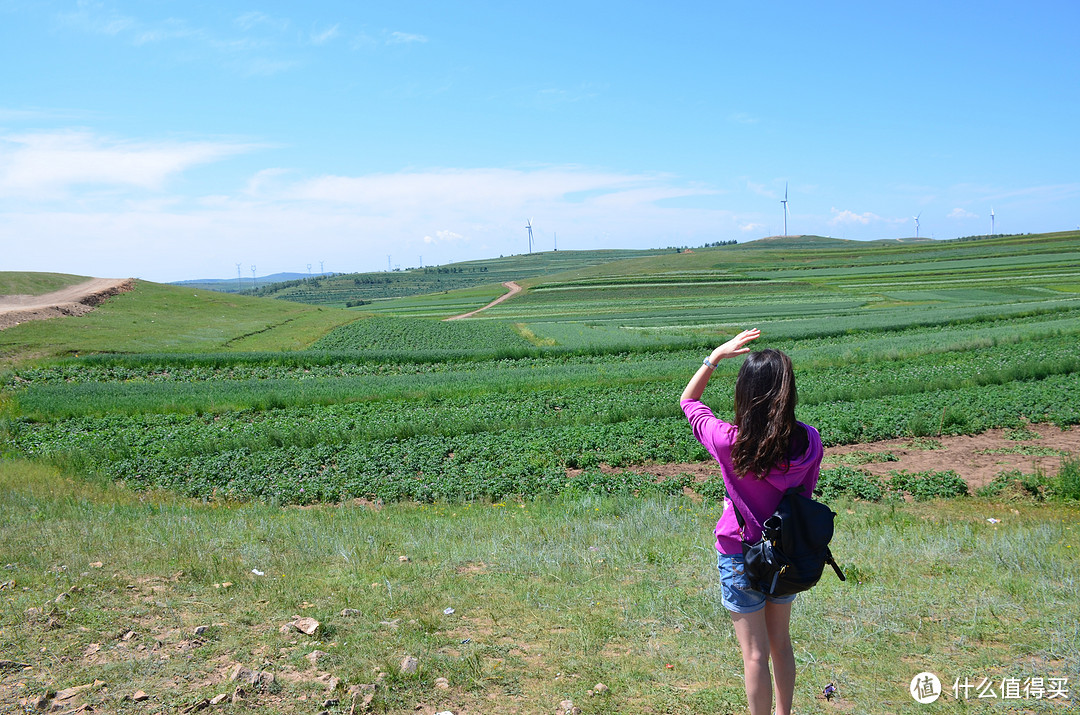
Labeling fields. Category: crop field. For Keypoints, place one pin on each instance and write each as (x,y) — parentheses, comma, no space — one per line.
(563,401)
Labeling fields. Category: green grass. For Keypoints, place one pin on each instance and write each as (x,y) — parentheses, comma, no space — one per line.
(27,283)
(549,598)
(159,318)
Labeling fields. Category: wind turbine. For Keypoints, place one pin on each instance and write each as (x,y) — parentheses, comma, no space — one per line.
(528,225)
(784,202)
(917,224)
(991,220)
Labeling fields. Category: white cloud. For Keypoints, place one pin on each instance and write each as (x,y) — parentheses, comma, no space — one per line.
(961,213)
(742,118)
(324,36)
(850,217)
(443,237)
(48,165)
(399,38)
(748,227)
(253,19)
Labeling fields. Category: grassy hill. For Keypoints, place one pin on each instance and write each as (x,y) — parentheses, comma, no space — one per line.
(340,289)
(160,318)
(27,283)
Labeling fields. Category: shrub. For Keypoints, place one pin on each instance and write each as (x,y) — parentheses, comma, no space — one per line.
(1068,480)
(848,481)
(923,486)
(1014,484)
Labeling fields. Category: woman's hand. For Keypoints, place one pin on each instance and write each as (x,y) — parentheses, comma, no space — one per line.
(735,346)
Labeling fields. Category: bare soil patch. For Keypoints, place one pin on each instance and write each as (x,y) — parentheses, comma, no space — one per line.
(976,458)
(74,300)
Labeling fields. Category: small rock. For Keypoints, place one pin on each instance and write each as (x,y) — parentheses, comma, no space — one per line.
(199,630)
(7,585)
(262,679)
(332,682)
(600,689)
(68,693)
(409,664)
(287,628)
(201,705)
(128,636)
(10,666)
(442,683)
(567,707)
(91,649)
(314,656)
(96,565)
(238,695)
(219,698)
(241,673)
(331,703)
(350,613)
(307,625)
(139,696)
(390,624)
(403,559)
(41,702)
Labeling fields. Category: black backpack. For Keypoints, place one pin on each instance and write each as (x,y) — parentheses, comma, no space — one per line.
(794,546)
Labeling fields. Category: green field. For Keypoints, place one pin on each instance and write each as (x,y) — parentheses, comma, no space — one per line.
(511,456)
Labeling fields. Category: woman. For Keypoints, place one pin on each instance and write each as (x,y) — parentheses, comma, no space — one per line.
(764,453)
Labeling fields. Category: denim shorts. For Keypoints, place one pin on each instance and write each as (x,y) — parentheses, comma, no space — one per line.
(735,591)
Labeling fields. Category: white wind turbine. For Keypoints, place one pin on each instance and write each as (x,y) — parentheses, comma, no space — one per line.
(784,202)
(917,224)
(528,225)
(991,220)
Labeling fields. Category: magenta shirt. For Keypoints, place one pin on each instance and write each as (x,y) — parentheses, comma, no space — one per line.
(756,498)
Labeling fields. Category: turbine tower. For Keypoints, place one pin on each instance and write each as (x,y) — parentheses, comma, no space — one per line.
(528,225)
(239,278)
(784,202)
(917,224)
(991,220)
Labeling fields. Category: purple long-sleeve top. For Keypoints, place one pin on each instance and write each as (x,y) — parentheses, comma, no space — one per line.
(755,498)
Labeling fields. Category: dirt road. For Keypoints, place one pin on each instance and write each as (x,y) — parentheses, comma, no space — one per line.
(73,300)
(514,290)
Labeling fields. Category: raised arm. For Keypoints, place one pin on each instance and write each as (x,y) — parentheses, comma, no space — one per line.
(735,346)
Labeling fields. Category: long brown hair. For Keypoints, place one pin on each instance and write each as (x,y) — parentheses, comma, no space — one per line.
(764,413)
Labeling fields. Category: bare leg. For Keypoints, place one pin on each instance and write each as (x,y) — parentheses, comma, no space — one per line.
(753,635)
(778,621)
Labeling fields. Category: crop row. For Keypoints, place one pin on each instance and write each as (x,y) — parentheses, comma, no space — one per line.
(522,461)
(638,381)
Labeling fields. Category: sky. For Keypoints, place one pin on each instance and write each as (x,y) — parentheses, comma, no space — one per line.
(174,140)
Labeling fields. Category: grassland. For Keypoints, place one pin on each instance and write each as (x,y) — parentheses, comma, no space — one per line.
(509,456)
(549,598)
(22,283)
(158,318)
(341,289)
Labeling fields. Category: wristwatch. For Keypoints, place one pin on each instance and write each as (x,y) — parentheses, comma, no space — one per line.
(706,362)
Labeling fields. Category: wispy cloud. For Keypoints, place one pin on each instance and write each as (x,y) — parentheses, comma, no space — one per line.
(97,18)
(961,213)
(443,237)
(49,165)
(742,118)
(850,217)
(255,19)
(321,37)
(749,227)
(403,38)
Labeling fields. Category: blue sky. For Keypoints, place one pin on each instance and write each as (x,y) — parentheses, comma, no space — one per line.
(172,140)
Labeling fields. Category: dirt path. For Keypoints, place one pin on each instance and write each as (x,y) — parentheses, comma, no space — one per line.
(514,290)
(976,458)
(73,300)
